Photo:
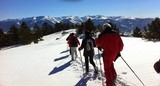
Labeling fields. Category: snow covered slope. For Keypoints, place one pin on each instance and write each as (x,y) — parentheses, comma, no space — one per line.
(48,64)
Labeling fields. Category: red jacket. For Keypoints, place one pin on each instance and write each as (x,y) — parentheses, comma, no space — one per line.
(70,41)
(110,42)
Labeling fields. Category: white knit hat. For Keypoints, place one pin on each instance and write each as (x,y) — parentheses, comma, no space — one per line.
(106,25)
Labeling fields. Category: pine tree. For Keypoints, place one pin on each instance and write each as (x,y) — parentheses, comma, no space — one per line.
(1,37)
(59,27)
(1,33)
(137,32)
(89,25)
(152,31)
(47,29)
(80,28)
(37,33)
(13,34)
(66,26)
(99,28)
(25,34)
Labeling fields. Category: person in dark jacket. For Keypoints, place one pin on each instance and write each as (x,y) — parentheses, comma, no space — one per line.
(88,44)
(73,44)
(112,45)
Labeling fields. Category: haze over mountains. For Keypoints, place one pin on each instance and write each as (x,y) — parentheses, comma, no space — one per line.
(125,24)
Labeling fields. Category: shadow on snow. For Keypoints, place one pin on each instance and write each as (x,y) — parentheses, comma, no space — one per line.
(64,51)
(83,81)
(58,69)
(60,58)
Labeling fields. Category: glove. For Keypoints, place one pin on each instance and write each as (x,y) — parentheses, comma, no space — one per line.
(99,48)
(118,55)
(79,49)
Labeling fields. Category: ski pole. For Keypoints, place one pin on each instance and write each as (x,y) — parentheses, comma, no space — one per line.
(132,71)
(81,61)
(101,68)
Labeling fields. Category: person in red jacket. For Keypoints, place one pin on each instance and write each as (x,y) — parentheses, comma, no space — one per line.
(67,39)
(73,44)
(112,45)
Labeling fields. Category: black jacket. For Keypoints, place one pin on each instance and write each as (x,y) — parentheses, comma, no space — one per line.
(83,46)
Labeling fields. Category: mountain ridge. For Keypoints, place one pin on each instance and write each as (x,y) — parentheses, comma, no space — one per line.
(125,24)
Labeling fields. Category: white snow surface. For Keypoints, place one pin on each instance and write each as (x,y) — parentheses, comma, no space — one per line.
(47,64)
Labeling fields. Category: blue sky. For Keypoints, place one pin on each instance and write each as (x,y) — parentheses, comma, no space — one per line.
(11,9)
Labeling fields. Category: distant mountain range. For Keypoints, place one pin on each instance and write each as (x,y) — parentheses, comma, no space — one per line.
(125,24)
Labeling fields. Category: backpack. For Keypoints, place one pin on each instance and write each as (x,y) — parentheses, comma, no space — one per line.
(157,66)
(74,42)
(89,44)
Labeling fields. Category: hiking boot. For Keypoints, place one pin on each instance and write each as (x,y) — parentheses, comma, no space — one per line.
(72,59)
(86,73)
(95,70)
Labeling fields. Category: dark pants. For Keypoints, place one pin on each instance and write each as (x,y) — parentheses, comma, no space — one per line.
(87,59)
(70,51)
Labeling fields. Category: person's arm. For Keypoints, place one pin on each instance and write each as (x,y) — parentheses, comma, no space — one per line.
(82,45)
(118,55)
(78,41)
(120,48)
(67,38)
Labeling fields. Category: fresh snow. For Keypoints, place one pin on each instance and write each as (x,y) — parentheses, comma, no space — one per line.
(48,64)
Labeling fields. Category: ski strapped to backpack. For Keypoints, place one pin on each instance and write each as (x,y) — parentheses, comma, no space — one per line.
(89,44)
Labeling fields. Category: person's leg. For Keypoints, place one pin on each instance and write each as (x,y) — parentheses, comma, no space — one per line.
(93,64)
(76,52)
(114,74)
(109,68)
(72,53)
(91,60)
(86,64)
(108,73)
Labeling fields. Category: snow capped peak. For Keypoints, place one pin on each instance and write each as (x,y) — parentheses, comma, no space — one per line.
(18,23)
(91,17)
(34,18)
(120,21)
(96,17)
(48,17)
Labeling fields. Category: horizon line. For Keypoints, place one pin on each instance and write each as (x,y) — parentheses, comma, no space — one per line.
(131,17)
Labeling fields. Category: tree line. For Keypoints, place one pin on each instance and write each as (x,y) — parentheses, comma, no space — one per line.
(89,26)
(151,32)
(24,35)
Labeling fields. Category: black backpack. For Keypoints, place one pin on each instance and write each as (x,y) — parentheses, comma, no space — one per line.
(74,42)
